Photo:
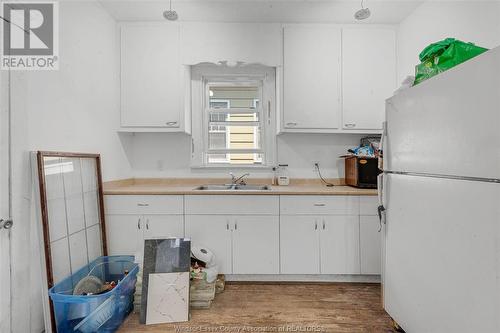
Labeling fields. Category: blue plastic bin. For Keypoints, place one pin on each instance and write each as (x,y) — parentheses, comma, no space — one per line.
(96,313)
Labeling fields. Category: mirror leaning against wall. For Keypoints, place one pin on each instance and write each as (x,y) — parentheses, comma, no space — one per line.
(71,214)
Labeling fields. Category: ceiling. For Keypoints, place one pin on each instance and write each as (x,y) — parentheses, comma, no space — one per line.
(286,11)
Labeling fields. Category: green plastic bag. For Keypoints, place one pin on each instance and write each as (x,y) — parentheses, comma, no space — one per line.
(443,55)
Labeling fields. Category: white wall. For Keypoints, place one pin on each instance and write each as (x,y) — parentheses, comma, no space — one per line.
(77,107)
(470,21)
(168,155)
(72,109)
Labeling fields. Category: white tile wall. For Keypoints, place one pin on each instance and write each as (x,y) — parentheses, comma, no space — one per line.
(91,208)
(54,179)
(57,215)
(74,227)
(75,215)
(94,245)
(72,176)
(78,250)
(89,175)
(60,259)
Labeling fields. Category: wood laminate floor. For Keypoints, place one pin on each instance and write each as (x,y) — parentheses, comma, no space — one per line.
(329,307)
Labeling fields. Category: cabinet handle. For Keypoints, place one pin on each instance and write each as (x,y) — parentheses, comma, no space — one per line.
(319,205)
(143,205)
(139,224)
(351,125)
(323,224)
(171,123)
(291,124)
(147,224)
(316,225)
(235,225)
(227,225)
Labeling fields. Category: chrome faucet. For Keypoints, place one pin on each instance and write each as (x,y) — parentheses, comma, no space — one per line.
(238,180)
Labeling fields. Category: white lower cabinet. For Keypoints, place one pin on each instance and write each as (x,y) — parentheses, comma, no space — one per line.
(243,244)
(212,231)
(339,245)
(256,245)
(319,244)
(370,236)
(130,219)
(299,244)
(124,236)
(371,243)
(163,226)
(255,234)
(126,233)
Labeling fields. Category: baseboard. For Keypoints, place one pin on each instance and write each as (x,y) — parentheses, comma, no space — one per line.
(302,278)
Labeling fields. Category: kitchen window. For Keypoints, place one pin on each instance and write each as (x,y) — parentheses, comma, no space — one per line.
(234,109)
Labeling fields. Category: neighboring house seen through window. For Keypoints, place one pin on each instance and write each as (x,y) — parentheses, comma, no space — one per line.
(235,129)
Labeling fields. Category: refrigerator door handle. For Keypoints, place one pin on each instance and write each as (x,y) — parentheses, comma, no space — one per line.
(380,188)
(381,212)
(382,146)
(380,208)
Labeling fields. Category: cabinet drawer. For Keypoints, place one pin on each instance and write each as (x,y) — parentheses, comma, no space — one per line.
(318,205)
(143,204)
(368,205)
(232,204)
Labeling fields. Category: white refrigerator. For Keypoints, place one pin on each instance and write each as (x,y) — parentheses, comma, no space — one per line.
(441,192)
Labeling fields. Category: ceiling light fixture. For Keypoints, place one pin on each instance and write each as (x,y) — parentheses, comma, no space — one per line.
(170,14)
(363,13)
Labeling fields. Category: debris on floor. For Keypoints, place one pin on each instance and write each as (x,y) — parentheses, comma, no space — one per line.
(204,278)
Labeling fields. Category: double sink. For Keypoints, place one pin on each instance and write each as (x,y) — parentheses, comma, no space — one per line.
(232,187)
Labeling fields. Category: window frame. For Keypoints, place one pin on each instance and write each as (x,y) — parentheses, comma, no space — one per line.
(209,130)
(210,82)
(205,76)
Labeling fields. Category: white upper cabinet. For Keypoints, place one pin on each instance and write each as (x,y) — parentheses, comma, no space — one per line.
(368,76)
(311,78)
(232,42)
(152,88)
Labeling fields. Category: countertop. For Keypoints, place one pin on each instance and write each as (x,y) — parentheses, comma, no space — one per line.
(186,186)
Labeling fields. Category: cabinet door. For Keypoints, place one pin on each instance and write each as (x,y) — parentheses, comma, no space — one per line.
(213,232)
(151,76)
(163,226)
(339,245)
(370,245)
(311,74)
(368,76)
(256,245)
(299,244)
(124,234)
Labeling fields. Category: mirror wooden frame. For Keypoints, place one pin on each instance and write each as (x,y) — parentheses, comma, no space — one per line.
(45,215)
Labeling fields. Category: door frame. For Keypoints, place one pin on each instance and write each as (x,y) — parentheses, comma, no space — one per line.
(5,203)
